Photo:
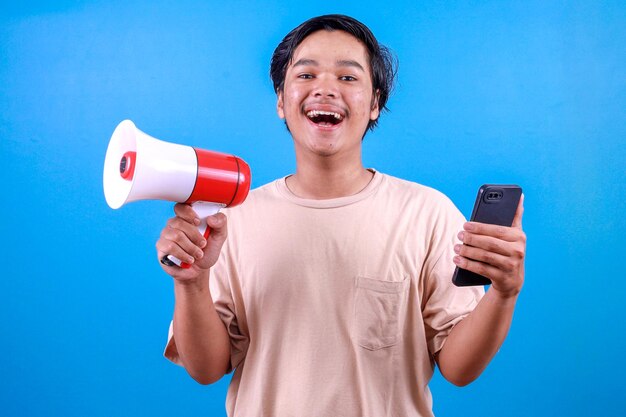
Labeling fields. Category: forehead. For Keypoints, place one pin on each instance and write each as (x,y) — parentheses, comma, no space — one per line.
(336,46)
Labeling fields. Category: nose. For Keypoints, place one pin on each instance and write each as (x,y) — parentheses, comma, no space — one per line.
(325,88)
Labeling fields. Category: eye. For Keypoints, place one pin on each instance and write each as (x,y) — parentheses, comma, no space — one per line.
(347,78)
(305,76)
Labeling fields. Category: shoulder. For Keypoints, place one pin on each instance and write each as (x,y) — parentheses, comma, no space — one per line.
(423,208)
(423,196)
(265,194)
(258,201)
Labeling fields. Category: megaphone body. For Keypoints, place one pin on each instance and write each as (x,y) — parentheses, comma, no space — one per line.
(140,167)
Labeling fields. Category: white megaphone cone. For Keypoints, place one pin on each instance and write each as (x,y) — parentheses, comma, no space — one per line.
(140,167)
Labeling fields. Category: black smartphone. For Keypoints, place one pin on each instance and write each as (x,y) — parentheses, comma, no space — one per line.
(495,204)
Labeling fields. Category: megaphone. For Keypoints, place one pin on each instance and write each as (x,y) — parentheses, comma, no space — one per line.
(140,167)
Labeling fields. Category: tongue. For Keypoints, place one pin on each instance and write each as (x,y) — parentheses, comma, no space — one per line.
(324,124)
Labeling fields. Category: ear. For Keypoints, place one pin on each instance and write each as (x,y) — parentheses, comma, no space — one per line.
(280,105)
(374,110)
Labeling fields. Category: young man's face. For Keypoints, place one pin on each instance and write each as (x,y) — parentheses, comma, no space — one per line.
(327,100)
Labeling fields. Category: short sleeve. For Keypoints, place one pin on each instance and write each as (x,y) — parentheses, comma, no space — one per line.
(443,303)
(229,306)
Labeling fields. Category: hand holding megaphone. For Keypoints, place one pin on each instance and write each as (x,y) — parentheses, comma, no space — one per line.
(140,167)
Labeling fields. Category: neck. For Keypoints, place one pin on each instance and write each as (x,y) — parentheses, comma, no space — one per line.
(323,184)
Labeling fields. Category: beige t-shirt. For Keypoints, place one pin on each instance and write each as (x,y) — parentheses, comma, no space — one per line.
(335,308)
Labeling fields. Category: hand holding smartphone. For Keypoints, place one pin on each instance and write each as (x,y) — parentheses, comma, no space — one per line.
(495,204)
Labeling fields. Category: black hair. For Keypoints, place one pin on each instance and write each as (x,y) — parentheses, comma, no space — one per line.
(383,64)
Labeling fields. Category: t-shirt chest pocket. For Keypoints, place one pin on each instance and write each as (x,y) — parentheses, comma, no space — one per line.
(378,311)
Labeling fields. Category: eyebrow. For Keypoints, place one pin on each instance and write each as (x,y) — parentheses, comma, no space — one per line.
(339,63)
(350,63)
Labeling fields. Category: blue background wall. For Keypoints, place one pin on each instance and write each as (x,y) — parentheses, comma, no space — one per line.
(528,92)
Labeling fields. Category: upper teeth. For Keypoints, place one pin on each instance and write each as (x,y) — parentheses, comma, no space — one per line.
(315,113)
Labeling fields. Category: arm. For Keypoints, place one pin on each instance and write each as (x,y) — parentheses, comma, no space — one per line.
(201,338)
(498,253)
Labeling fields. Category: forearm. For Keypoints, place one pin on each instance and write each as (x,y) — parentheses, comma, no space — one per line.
(476,339)
(201,337)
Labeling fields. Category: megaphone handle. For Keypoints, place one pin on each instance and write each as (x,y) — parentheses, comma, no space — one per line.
(203,210)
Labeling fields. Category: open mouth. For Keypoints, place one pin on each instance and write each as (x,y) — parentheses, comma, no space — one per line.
(324,118)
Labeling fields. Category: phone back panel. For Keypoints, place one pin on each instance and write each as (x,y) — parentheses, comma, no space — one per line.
(495,204)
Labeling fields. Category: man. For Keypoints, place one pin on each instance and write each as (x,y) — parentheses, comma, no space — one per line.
(331,293)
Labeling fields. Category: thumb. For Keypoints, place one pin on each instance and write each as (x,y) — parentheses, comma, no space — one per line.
(217,236)
(217,224)
(517,220)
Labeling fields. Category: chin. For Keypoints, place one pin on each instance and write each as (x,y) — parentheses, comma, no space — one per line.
(325,149)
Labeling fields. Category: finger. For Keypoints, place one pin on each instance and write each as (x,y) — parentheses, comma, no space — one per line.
(517,220)
(168,247)
(180,273)
(191,231)
(480,268)
(182,240)
(487,243)
(501,262)
(499,232)
(187,213)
